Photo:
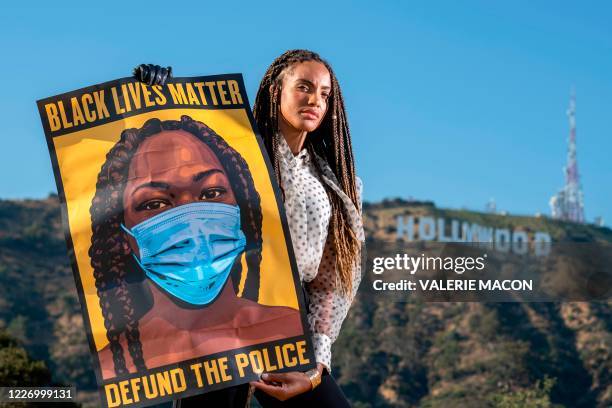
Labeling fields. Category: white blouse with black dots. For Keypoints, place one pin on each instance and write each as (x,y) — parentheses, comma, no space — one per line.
(308,214)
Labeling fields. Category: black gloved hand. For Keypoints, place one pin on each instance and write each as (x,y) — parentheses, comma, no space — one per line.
(152,74)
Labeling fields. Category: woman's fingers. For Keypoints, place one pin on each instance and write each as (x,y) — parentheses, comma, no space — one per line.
(283,386)
(154,69)
(152,74)
(275,377)
(273,390)
(139,72)
(165,74)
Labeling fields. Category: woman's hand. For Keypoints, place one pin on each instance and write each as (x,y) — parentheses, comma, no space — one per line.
(286,385)
(152,74)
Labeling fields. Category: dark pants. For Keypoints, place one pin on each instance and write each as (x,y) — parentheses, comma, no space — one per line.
(327,395)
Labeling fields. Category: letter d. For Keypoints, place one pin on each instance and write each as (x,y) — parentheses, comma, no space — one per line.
(112,391)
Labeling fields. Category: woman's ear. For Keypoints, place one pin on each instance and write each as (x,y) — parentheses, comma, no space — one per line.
(125,247)
(274,87)
(127,244)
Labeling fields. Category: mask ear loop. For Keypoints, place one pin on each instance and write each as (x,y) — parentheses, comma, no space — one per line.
(127,230)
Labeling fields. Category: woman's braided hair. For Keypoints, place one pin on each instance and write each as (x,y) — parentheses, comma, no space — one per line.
(331,141)
(112,265)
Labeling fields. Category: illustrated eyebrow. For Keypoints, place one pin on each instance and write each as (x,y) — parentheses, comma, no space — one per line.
(166,186)
(204,174)
(311,84)
(153,184)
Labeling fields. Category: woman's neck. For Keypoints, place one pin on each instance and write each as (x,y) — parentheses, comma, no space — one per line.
(218,312)
(295,138)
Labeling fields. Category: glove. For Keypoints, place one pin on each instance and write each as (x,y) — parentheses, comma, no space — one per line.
(152,74)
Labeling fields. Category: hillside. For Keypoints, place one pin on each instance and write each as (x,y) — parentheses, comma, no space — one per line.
(411,353)
(390,354)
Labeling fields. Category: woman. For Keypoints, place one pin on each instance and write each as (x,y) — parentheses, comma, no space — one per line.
(300,114)
(174,212)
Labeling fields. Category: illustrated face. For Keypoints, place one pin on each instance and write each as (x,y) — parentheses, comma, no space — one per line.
(170,169)
(306,88)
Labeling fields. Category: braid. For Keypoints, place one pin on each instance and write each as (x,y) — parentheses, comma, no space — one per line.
(111,263)
(107,255)
(331,141)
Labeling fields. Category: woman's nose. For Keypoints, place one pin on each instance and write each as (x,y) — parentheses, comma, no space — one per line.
(185,197)
(315,99)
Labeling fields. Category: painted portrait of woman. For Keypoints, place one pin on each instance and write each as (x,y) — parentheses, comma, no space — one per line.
(176,250)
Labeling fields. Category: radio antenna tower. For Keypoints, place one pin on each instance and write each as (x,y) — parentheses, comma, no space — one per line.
(568,204)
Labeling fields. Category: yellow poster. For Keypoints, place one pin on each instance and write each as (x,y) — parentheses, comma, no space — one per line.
(177,236)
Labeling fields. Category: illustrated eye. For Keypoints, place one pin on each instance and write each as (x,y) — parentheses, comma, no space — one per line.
(152,205)
(212,193)
(302,87)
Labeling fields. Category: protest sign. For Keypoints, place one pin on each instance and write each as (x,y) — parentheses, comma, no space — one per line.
(177,236)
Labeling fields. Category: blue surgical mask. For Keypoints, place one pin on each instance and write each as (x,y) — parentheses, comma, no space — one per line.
(189,250)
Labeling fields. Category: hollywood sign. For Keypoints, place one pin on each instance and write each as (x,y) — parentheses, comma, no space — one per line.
(410,228)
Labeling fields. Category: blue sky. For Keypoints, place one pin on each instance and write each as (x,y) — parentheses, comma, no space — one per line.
(456,102)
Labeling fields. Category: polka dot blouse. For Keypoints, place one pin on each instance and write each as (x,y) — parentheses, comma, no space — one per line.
(308,213)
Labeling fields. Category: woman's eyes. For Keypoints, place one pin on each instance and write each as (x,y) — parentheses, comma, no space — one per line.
(158,204)
(305,88)
(153,205)
(212,193)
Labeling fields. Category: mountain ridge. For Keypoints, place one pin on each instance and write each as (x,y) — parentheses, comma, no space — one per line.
(389,354)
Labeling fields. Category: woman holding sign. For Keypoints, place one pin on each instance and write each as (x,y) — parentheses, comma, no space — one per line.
(300,113)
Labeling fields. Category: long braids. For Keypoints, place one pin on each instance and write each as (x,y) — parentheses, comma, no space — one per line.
(111,263)
(331,141)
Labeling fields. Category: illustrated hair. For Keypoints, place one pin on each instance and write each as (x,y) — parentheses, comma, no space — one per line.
(111,263)
(331,141)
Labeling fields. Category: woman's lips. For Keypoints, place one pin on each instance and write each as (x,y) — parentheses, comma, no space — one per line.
(310,114)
